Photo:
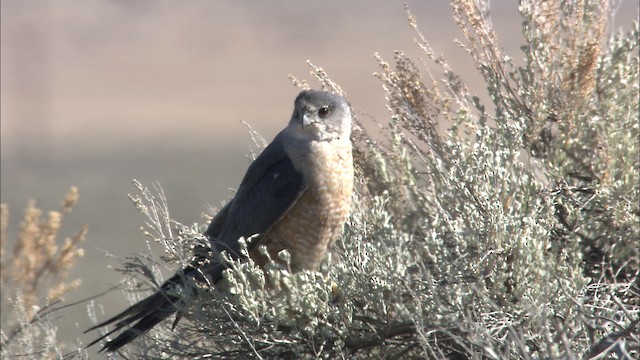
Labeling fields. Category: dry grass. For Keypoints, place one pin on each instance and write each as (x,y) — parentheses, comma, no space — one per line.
(34,277)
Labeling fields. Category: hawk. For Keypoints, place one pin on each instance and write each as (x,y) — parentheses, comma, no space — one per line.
(295,195)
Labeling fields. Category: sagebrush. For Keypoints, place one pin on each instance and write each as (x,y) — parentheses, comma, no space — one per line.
(512,234)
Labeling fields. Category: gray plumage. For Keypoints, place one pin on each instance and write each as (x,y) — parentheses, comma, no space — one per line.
(294,196)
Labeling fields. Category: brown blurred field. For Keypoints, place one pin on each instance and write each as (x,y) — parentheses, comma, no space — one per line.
(97,93)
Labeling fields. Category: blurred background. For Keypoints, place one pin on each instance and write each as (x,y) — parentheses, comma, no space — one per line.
(97,93)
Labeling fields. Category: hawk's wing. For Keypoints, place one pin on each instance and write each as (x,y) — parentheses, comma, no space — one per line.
(270,187)
(268,190)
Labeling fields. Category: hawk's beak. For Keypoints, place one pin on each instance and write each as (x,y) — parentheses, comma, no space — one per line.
(307,120)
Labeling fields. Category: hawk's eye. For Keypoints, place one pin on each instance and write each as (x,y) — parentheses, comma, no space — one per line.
(324,111)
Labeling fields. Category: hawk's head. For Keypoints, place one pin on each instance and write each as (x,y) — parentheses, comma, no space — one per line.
(319,115)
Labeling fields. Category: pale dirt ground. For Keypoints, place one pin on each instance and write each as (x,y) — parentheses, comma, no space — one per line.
(97,93)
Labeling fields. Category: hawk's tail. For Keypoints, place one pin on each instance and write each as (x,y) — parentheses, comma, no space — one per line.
(145,314)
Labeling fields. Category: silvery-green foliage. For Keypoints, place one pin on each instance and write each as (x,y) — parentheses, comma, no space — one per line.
(512,234)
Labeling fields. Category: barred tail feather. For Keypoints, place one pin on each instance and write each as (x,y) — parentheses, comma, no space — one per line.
(145,314)
(148,312)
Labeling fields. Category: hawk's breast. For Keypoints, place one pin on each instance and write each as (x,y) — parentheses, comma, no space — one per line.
(315,221)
